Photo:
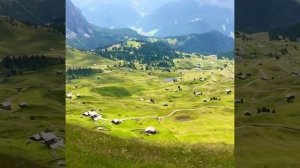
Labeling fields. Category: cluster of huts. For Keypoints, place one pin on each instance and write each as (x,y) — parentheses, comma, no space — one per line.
(48,138)
(7,105)
(70,95)
(93,115)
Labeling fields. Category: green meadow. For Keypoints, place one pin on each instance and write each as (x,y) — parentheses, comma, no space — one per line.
(183,120)
(267,139)
(43,91)
(45,111)
(18,38)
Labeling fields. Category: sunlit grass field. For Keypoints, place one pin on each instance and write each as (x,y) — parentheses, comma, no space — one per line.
(186,122)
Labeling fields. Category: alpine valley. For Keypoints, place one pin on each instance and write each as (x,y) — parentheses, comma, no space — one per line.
(159,99)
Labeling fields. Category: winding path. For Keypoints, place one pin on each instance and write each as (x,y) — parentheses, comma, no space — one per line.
(268,126)
(162,117)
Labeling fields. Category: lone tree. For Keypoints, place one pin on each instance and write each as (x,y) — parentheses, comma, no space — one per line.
(258,110)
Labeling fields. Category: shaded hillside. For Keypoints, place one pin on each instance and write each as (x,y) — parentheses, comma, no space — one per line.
(83,35)
(291,32)
(151,53)
(49,11)
(260,16)
(178,18)
(18,38)
(207,43)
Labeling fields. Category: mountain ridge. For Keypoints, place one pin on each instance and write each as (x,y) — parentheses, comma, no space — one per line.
(164,20)
(85,36)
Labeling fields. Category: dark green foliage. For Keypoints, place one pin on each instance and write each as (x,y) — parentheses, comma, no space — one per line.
(15,65)
(207,43)
(57,26)
(156,53)
(74,73)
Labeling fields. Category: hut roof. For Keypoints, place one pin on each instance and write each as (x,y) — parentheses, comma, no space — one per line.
(36,137)
(247,112)
(56,144)
(92,113)
(96,117)
(48,136)
(6,103)
(116,121)
(150,129)
(237,101)
(69,95)
(290,96)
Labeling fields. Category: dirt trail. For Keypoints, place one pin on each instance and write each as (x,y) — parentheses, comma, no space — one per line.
(163,117)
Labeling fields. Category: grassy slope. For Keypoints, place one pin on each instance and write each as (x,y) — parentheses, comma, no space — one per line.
(43,91)
(94,149)
(16,126)
(265,146)
(76,58)
(21,39)
(118,95)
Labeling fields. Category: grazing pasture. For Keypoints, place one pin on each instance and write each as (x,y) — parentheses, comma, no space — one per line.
(155,98)
(267,123)
(44,111)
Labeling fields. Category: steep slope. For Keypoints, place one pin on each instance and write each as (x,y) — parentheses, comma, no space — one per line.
(83,35)
(113,13)
(49,11)
(258,16)
(75,22)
